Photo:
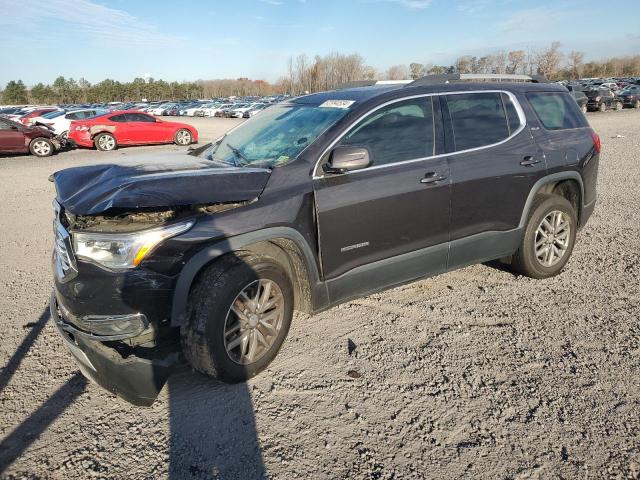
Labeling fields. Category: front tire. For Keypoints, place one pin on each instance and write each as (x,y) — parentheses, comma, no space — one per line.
(41,147)
(183,137)
(239,315)
(619,106)
(603,107)
(105,142)
(637,105)
(584,108)
(549,238)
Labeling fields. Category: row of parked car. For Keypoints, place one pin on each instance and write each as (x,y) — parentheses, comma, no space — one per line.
(42,131)
(603,94)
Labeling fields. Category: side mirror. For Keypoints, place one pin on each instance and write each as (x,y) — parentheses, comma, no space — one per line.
(345,159)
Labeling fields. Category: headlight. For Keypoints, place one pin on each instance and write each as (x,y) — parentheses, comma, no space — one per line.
(597,99)
(123,250)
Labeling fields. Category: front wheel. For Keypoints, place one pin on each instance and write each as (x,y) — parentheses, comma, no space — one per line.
(637,105)
(41,147)
(583,108)
(548,239)
(183,137)
(239,315)
(105,142)
(618,106)
(603,107)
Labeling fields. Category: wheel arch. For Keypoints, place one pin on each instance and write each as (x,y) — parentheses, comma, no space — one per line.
(566,184)
(286,245)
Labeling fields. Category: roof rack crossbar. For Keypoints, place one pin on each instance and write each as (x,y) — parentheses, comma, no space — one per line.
(478,77)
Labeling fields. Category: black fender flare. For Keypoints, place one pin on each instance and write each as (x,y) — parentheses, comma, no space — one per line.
(206,256)
(553,178)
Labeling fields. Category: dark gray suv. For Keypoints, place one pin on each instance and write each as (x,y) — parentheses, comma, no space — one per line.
(324,198)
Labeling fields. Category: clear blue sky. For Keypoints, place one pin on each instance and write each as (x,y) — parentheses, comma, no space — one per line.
(189,39)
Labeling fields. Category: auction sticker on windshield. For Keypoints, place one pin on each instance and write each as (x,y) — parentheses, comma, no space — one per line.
(337,104)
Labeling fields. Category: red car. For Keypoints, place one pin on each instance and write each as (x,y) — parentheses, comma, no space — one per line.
(17,138)
(129,127)
(24,119)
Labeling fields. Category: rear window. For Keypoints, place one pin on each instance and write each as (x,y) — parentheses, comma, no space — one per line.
(481,119)
(556,111)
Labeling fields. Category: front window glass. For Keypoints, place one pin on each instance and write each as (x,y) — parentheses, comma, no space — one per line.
(275,137)
(401,131)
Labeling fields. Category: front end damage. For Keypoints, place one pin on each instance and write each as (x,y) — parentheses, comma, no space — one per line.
(112,308)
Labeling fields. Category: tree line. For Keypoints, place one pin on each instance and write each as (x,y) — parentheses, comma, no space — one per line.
(304,74)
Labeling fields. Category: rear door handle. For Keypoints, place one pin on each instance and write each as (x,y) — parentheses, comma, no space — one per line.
(529,161)
(432,177)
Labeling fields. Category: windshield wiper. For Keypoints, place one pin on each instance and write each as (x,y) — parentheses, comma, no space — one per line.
(238,153)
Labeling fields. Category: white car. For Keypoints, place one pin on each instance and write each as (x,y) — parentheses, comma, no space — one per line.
(160,108)
(209,110)
(191,111)
(240,111)
(61,121)
(610,86)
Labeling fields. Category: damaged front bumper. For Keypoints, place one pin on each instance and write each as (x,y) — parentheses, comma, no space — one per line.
(135,374)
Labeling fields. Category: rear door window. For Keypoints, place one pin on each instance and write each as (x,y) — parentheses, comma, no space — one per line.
(480,119)
(556,111)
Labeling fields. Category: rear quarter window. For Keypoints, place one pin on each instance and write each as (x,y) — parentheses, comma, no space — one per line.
(556,111)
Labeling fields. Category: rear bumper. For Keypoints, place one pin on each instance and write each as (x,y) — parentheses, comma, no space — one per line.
(136,375)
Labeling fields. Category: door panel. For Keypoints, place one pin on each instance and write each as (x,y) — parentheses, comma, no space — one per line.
(492,179)
(375,214)
(11,140)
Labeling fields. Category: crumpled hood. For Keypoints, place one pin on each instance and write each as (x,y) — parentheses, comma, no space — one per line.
(146,181)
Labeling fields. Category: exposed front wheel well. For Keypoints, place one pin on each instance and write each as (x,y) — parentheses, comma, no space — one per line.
(287,254)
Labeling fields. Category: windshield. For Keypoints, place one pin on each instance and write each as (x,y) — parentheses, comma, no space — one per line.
(274,137)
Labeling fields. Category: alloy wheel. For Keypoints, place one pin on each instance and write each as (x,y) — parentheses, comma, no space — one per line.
(254,321)
(41,148)
(552,238)
(107,142)
(183,137)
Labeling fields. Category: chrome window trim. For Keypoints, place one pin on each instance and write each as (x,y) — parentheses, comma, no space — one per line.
(514,100)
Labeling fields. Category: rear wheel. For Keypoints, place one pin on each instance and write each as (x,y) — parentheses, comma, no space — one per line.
(105,142)
(637,104)
(602,107)
(183,137)
(583,108)
(548,239)
(239,315)
(619,106)
(41,147)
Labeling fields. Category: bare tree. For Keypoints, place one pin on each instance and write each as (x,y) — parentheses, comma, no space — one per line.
(549,59)
(397,72)
(575,62)
(517,61)
(417,70)
(463,64)
(499,62)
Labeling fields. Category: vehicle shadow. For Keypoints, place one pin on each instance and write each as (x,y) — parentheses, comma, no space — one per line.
(212,429)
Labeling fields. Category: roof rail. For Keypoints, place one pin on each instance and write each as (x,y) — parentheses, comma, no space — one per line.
(476,77)
(371,83)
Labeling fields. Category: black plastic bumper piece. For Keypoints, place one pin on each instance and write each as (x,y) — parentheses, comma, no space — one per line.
(135,379)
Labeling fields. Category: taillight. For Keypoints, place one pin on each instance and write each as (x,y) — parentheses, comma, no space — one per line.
(596,141)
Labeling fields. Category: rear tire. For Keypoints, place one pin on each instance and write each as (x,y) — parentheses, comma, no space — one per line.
(583,108)
(41,147)
(547,244)
(105,142)
(619,106)
(637,105)
(602,107)
(219,322)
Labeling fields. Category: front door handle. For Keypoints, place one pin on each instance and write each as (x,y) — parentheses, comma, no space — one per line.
(432,177)
(529,161)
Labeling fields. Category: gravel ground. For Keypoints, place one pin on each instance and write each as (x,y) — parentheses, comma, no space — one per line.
(477,373)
